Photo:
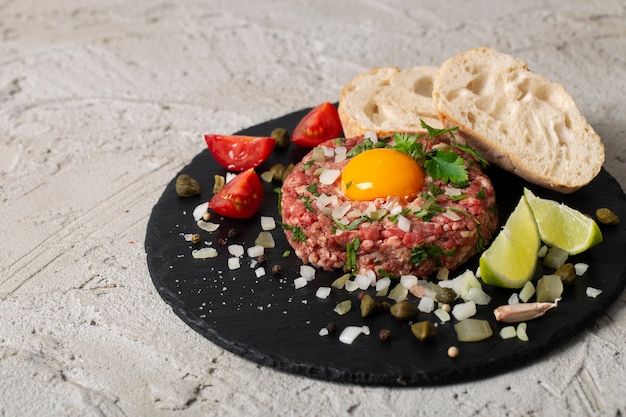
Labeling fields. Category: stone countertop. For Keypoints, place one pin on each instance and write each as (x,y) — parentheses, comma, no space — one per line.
(101,103)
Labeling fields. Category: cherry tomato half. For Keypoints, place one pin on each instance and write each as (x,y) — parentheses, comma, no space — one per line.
(239,153)
(239,198)
(319,125)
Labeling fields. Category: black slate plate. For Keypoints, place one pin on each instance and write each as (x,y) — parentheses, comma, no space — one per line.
(268,321)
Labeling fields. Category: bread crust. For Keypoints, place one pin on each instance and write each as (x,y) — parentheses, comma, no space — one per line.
(519,120)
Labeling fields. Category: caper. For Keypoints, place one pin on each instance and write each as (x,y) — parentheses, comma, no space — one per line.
(282,137)
(277,171)
(219,183)
(404,310)
(186,186)
(445,295)
(607,216)
(287,171)
(368,305)
(567,273)
(424,330)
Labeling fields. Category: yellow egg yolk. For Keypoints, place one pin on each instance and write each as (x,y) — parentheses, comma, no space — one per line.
(381,173)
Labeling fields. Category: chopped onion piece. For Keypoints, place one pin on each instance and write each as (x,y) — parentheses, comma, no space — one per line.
(426,305)
(307,272)
(208,226)
(199,211)
(233,263)
(408,281)
(329,176)
(508,332)
(265,239)
(267,176)
(371,136)
(268,223)
(340,211)
(255,251)
(340,282)
(463,311)
(451,191)
(442,315)
(513,299)
(404,224)
(322,292)
(362,281)
(236,250)
(398,293)
(351,286)
(555,258)
(343,307)
(443,274)
(204,253)
(350,333)
(521,332)
(580,268)
(300,282)
(543,251)
(528,290)
(593,292)
(451,215)
(230,176)
(478,296)
(324,331)
(383,283)
(473,330)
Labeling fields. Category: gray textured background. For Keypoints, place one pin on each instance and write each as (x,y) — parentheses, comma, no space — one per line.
(101,103)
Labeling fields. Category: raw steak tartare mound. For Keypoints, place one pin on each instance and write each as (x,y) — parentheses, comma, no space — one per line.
(441,226)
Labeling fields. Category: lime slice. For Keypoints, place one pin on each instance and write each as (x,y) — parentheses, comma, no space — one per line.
(562,226)
(511,259)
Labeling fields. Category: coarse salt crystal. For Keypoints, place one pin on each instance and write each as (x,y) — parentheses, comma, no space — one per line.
(351,286)
(233,263)
(300,282)
(580,268)
(307,272)
(324,331)
(268,223)
(259,272)
(199,211)
(426,305)
(255,251)
(383,283)
(408,281)
(236,250)
(362,281)
(350,333)
(592,292)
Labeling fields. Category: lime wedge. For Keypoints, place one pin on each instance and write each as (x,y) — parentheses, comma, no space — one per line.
(562,226)
(511,259)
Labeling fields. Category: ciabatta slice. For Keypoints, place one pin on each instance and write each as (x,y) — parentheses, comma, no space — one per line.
(520,120)
(386,100)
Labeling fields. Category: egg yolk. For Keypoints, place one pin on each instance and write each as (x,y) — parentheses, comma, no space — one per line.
(381,173)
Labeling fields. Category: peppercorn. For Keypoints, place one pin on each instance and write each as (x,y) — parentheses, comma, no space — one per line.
(384,335)
(331,327)
(232,232)
(276,269)
(262,259)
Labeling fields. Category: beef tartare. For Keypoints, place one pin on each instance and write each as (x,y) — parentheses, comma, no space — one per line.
(442,225)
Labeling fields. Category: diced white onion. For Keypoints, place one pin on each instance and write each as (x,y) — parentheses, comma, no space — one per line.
(199,211)
(307,272)
(204,253)
(508,332)
(592,292)
(229,177)
(451,191)
(465,310)
(443,274)
(408,281)
(322,292)
(451,215)
(362,281)
(208,226)
(404,224)
(383,283)
(350,333)
(323,331)
(580,268)
(426,305)
(299,282)
(329,176)
(442,315)
(513,299)
(255,251)
(233,263)
(528,290)
(351,286)
(398,293)
(521,332)
(341,210)
(371,135)
(479,296)
(265,239)
(236,250)
(268,223)
(340,157)
(328,152)
(267,176)
(543,251)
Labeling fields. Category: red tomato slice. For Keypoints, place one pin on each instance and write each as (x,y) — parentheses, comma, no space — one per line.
(239,153)
(319,125)
(240,198)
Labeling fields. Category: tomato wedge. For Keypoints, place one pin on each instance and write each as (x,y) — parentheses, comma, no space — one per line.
(239,153)
(319,125)
(239,198)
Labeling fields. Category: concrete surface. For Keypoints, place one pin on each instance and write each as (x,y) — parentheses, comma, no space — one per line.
(102,102)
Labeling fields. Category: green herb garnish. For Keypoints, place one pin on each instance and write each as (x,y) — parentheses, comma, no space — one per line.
(298,233)
(351,249)
(421,253)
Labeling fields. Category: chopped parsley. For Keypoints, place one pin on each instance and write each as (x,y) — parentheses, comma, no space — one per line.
(353,225)
(313,189)
(298,233)
(351,249)
(421,253)
(306,200)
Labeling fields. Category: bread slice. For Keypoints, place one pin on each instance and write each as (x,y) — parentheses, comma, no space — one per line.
(386,100)
(519,120)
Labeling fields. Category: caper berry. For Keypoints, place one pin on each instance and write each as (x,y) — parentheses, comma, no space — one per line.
(567,273)
(424,330)
(186,186)
(368,305)
(445,295)
(404,310)
(282,137)
(607,216)
(277,171)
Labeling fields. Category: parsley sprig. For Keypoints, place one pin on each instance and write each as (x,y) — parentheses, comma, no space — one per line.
(441,163)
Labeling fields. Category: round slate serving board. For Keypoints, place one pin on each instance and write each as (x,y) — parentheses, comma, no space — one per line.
(268,321)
